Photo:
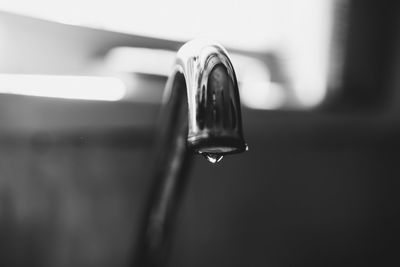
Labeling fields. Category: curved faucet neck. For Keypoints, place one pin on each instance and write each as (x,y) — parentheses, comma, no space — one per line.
(200,113)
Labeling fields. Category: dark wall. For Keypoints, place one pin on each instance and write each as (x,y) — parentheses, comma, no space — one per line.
(314,190)
(70,200)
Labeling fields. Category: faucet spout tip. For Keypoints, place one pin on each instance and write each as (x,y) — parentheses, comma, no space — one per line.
(204,69)
(218,128)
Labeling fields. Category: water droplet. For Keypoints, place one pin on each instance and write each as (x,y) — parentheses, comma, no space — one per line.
(247,147)
(213,158)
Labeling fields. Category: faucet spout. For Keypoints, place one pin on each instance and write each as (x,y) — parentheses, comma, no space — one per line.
(201,114)
(214,117)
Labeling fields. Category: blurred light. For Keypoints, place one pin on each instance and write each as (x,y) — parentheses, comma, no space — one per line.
(233,23)
(257,91)
(173,19)
(309,50)
(69,87)
(141,60)
(298,31)
(262,95)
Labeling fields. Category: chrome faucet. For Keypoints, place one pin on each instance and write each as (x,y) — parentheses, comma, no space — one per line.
(200,114)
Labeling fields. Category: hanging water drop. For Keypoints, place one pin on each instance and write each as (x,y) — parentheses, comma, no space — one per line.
(213,158)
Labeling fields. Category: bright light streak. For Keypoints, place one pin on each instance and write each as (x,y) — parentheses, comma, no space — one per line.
(68,87)
(141,60)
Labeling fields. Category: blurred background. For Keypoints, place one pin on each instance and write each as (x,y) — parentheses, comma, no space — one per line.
(81,84)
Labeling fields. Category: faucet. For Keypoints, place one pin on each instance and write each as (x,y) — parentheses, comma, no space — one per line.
(200,114)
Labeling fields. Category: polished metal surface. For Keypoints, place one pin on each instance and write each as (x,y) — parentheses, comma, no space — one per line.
(214,117)
(200,114)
